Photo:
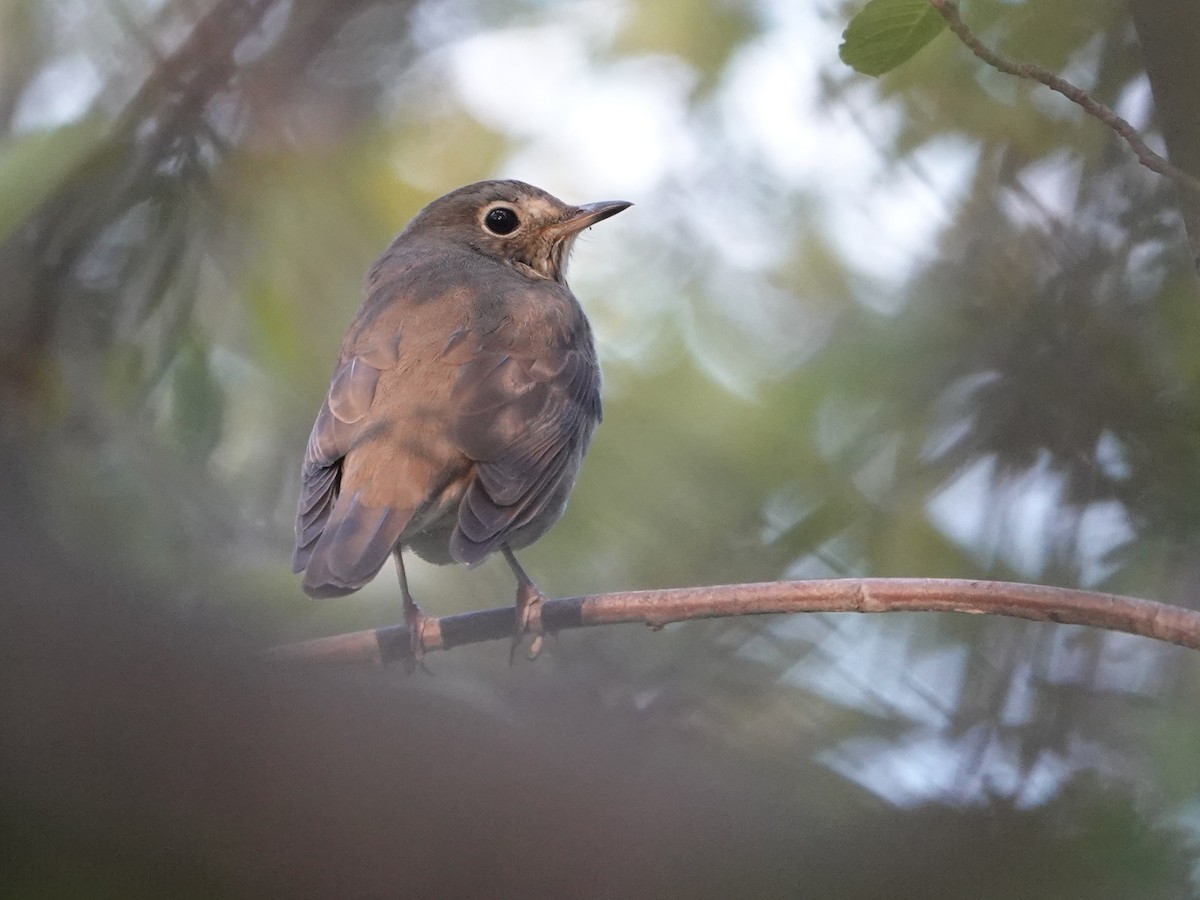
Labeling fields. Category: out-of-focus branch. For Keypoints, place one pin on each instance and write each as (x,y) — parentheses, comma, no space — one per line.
(1093,107)
(1166,32)
(158,157)
(1160,621)
(149,153)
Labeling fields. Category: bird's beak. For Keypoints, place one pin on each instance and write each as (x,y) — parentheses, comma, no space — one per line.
(589,214)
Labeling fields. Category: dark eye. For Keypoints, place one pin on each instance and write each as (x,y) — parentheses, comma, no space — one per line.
(501,220)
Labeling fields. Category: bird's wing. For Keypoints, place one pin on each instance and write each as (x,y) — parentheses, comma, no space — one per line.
(339,426)
(342,542)
(526,420)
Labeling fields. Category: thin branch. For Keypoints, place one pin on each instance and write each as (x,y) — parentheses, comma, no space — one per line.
(1160,621)
(1093,107)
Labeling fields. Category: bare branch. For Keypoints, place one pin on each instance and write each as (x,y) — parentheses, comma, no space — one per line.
(1160,621)
(1093,107)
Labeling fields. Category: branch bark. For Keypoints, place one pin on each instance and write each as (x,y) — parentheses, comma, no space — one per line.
(1089,104)
(380,646)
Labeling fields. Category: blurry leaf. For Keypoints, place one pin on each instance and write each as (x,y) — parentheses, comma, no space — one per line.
(32,164)
(703,33)
(198,404)
(124,371)
(270,311)
(824,523)
(50,392)
(1051,34)
(885,33)
(446,150)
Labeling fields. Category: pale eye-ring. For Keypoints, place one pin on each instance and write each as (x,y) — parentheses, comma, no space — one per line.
(501,220)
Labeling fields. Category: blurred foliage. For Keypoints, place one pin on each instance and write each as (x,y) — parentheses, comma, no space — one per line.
(937,323)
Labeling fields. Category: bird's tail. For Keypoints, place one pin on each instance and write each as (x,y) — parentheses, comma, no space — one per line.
(353,547)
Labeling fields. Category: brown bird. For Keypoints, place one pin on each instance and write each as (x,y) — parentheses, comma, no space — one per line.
(463,400)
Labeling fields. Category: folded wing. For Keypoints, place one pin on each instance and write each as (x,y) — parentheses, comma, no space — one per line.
(526,421)
(341,543)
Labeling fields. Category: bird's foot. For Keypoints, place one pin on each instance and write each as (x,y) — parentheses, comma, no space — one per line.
(528,620)
(417,622)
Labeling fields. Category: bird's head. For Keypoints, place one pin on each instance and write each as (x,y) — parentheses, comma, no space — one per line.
(513,222)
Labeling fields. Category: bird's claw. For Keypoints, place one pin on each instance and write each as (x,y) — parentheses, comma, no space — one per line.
(417,622)
(529,598)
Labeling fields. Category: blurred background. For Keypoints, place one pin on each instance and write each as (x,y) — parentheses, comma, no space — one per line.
(935,324)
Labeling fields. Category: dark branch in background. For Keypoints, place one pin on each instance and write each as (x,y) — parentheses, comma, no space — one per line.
(1146,156)
(1160,621)
(151,155)
(1166,32)
(1093,107)
(158,157)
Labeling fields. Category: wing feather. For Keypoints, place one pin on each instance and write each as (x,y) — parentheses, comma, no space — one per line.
(340,424)
(526,421)
(352,548)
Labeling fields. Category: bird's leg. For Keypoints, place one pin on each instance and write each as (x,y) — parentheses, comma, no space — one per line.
(413,618)
(528,597)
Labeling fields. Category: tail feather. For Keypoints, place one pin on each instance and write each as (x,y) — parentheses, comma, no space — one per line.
(353,547)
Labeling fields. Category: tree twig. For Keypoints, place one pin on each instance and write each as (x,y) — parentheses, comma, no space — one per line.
(1160,621)
(1093,107)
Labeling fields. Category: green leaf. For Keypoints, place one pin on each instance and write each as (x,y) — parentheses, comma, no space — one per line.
(885,33)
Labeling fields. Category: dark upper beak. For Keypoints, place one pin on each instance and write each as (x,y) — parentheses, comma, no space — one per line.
(589,214)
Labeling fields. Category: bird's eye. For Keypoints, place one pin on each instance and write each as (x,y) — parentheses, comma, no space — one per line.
(501,220)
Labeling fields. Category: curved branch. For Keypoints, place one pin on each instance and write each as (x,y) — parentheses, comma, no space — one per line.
(1160,621)
(1093,107)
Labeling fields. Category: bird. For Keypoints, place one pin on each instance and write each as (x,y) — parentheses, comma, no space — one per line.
(464,397)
